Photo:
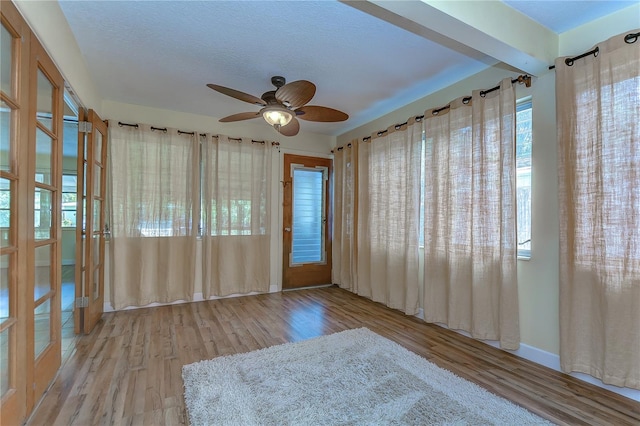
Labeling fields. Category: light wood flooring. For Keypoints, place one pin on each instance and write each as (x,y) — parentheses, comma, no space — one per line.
(128,371)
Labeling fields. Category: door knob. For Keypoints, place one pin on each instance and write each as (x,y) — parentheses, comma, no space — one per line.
(287,229)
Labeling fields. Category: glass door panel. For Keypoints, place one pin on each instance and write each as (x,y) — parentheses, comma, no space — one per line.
(5,136)
(308,216)
(97,148)
(5,273)
(45,100)
(44,157)
(42,327)
(96,283)
(96,249)
(97,180)
(97,215)
(5,212)
(5,359)
(42,274)
(42,214)
(5,323)
(6,61)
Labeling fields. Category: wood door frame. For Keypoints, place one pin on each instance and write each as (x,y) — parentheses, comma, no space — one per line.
(78,312)
(94,309)
(297,157)
(45,366)
(13,405)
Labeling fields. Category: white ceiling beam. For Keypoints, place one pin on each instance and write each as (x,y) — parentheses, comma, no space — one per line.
(480,29)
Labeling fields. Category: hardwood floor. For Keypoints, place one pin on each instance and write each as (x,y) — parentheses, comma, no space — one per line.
(128,371)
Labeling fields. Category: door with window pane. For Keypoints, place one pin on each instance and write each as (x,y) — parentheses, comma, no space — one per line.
(44,203)
(14,114)
(306,236)
(92,156)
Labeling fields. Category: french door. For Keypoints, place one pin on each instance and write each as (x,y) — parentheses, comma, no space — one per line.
(15,38)
(31,123)
(44,232)
(306,233)
(92,156)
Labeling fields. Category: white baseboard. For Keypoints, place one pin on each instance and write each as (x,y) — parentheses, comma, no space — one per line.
(549,360)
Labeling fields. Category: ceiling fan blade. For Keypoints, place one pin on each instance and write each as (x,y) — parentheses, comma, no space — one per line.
(290,129)
(320,113)
(237,94)
(296,93)
(240,116)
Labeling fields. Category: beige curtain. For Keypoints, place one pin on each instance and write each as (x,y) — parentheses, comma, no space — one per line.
(470,224)
(598,110)
(343,244)
(388,215)
(154,186)
(236,186)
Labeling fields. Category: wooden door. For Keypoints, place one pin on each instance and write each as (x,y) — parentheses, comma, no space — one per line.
(81,221)
(14,120)
(93,156)
(306,234)
(44,233)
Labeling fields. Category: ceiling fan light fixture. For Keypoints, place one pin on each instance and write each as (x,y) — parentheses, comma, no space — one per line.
(277,115)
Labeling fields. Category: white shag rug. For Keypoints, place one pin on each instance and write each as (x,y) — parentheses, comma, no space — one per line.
(351,377)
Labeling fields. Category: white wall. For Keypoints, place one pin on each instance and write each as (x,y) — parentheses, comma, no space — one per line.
(50,26)
(538,278)
(303,143)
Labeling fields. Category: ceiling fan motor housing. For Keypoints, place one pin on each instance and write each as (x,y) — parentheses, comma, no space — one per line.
(270,98)
(278,81)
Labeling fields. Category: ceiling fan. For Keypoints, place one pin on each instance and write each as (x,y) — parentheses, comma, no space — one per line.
(282,107)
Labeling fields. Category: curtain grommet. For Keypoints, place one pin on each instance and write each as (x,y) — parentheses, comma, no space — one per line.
(631,38)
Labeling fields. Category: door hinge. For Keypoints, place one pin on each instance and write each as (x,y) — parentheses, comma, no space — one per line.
(85,127)
(82,302)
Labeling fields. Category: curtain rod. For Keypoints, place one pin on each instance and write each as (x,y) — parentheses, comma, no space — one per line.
(522,79)
(629,39)
(342,147)
(180,132)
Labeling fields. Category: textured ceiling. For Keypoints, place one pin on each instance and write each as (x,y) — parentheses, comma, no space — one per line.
(162,54)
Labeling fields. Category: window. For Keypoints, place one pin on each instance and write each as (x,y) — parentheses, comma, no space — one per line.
(524,140)
(5,203)
(308,245)
(69,200)
(235,187)
(234,216)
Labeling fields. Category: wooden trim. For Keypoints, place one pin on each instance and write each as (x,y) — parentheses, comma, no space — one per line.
(12,103)
(42,369)
(93,312)
(307,274)
(8,250)
(13,408)
(4,325)
(78,313)
(45,130)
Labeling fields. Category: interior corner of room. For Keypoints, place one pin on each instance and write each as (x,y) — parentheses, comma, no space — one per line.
(256,208)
